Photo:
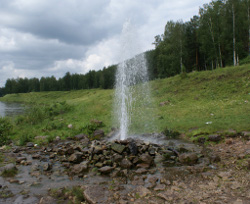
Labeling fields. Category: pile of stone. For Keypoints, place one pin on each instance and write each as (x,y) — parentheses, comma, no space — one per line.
(117,157)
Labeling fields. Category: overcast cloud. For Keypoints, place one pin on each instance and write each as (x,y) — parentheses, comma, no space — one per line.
(50,37)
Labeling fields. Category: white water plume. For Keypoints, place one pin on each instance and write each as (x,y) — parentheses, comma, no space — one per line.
(132,94)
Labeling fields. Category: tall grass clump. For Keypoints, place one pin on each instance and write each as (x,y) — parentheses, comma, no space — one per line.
(5,130)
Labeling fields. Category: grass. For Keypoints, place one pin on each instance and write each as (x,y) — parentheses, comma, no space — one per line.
(206,101)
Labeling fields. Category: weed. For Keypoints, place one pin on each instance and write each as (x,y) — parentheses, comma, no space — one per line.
(5,130)
(9,172)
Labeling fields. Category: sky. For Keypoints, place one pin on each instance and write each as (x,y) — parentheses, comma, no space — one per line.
(51,37)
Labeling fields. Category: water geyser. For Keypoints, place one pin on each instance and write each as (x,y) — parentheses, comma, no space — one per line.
(132,94)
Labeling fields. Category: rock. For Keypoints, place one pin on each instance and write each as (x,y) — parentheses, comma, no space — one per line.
(126,164)
(96,194)
(133,147)
(142,191)
(143,165)
(8,167)
(20,159)
(117,158)
(146,158)
(76,157)
(188,158)
(70,126)
(35,167)
(98,134)
(80,137)
(80,168)
(214,158)
(99,164)
(106,169)
(47,200)
(246,134)
(214,138)
(69,151)
(160,187)
(118,148)
(141,171)
(47,166)
(36,156)
(30,144)
(57,138)
(201,140)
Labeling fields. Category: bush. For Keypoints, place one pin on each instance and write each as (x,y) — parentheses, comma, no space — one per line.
(171,134)
(5,130)
(245,60)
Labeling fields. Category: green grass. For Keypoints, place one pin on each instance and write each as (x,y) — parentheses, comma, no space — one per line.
(220,97)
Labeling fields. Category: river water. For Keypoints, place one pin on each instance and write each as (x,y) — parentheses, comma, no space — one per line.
(11,109)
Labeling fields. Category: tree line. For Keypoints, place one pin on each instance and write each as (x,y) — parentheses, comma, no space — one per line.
(219,36)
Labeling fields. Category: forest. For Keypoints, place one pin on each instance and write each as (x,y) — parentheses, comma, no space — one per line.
(216,37)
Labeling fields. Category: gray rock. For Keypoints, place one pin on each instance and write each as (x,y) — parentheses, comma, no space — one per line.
(106,169)
(188,158)
(126,164)
(30,144)
(76,157)
(98,134)
(20,159)
(8,167)
(96,194)
(118,148)
(117,158)
(47,166)
(80,137)
(146,158)
(214,138)
(80,168)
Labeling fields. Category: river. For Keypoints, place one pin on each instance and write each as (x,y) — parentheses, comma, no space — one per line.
(11,109)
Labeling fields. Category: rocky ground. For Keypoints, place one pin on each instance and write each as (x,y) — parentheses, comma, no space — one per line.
(130,171)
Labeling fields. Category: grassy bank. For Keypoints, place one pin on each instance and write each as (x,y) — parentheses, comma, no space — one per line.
(206,102)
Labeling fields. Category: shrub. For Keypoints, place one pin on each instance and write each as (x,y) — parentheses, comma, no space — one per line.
(170,134)
(5,130)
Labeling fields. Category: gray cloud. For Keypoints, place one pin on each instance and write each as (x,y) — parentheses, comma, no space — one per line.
(42,37)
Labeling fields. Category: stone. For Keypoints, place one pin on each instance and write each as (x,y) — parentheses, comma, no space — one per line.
(105,169)
(80,137)
(8,167)
(80,168)
(188,158)
(98,134)
(160,187)
(118,148)
(70,126)
(143,165)
(142,191)
(133,147)
(117,158)
(36,156)
(47,166)
(96,194)
(69,151)
(76,157)
(20,159)
(146,158)
(201,140)
(214,138)
(141,171)
(30,144)
(126,164)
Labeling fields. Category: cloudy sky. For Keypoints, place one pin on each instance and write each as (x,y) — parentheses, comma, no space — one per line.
(50,37)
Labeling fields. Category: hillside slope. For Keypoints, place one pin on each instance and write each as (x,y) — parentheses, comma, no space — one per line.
(206,101)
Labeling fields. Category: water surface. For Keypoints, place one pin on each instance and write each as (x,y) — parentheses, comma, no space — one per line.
(11,109)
